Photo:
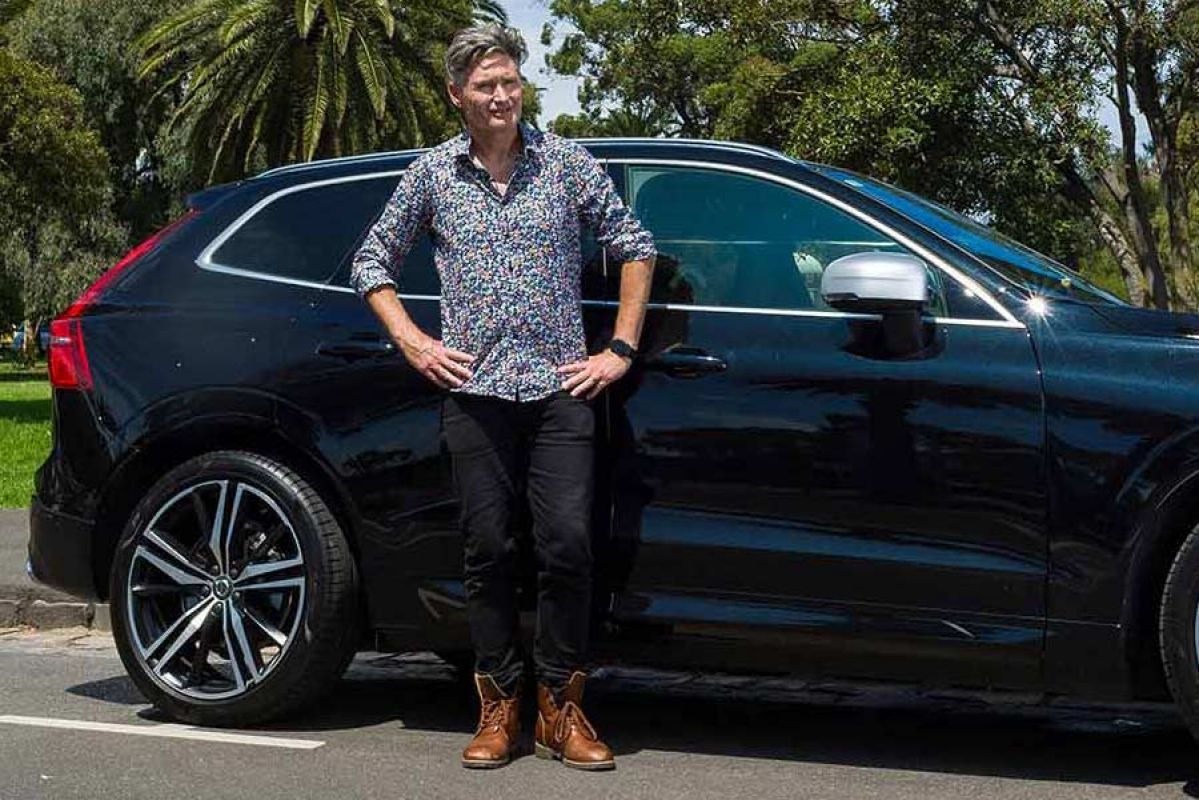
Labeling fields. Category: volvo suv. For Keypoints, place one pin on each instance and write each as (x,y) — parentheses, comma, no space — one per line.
(867,438)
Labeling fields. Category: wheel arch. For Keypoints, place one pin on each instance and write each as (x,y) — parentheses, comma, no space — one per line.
(155,454)
(1156,534)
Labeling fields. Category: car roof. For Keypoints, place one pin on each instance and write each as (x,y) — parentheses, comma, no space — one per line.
(604,148)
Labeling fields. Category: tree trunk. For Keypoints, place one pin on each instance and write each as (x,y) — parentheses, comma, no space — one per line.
(1077,191)
(1146,54)
(29,345)
(1175,197)
(1136,205)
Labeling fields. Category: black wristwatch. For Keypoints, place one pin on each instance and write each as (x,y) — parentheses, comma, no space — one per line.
(622,348)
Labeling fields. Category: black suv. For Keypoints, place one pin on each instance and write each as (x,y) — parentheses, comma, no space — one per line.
(868,438)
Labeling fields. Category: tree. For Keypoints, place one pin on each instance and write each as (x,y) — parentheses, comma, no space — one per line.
(56,231)
(88,44)
(988,105)
(9,11)
(268,82)
(1152,48)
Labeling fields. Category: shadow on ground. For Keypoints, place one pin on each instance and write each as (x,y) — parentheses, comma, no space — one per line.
(887,729)
(25,411)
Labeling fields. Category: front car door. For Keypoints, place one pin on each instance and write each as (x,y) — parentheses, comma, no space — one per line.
(785,494)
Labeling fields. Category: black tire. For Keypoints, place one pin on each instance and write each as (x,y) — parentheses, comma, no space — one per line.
(1176,630)
(323,620)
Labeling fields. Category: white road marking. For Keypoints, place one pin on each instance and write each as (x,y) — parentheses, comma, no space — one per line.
(167,731)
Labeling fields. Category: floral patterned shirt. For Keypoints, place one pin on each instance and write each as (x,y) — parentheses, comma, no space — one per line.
(509,264)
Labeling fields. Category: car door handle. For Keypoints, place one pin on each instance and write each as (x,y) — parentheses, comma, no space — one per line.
(686,362)
(354,349)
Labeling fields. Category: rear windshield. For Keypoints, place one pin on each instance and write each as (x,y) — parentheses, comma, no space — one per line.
(1021,265)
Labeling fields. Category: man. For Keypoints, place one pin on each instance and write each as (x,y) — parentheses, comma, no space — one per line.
(504,204)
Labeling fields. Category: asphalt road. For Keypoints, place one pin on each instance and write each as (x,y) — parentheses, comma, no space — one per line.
(395,727)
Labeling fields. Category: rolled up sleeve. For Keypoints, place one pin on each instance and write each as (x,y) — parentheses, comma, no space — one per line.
(404,217)
(601,209)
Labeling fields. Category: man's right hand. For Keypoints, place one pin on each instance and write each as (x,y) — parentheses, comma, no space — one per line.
(438,363)
(444,366)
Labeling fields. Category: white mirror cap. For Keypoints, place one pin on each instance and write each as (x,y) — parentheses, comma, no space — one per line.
(894,277)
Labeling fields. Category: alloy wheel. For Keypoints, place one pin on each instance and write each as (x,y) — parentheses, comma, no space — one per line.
(215,590)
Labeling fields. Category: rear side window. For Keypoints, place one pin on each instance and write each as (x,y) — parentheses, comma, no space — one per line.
(308,233)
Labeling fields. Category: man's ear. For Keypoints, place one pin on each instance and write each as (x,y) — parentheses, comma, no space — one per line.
(455,94)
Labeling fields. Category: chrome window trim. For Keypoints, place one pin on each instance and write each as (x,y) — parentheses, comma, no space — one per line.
(772,312)
(204,260)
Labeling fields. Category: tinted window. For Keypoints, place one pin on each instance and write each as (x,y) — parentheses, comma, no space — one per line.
(1020,264)
(732,240)
(417,275)
(308,233)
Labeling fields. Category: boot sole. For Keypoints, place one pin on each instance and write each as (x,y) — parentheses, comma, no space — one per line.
(542,751)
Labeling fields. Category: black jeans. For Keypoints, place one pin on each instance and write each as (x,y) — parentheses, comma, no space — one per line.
(494,444)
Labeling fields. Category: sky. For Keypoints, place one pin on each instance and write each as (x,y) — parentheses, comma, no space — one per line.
(559,95)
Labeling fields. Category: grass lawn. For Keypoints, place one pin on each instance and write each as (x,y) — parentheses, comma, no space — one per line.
(24,429)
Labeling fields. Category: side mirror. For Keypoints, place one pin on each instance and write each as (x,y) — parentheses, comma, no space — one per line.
(875,283)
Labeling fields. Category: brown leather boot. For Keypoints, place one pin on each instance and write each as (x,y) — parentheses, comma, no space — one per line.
(563,732)
(497,734)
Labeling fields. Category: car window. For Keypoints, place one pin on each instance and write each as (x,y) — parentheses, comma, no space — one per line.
(733,240)
(1014,261)
(309,234)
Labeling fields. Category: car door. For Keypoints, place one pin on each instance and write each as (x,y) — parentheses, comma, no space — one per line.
(788,495)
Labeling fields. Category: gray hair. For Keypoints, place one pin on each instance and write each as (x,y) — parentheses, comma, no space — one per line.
(471,44)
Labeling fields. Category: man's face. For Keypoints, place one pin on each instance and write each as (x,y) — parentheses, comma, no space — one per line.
(490,97)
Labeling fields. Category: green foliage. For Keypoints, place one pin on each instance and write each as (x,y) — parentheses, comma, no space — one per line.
(88,44)
(24,430)
(919,93)
(56,231)
(9,11)
(268,82)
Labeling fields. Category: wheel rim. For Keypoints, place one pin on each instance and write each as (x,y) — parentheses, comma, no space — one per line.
(215,590)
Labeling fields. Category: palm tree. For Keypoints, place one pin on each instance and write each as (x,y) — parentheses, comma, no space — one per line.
(290,80)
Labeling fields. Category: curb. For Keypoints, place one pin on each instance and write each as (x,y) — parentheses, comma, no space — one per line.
(35,612)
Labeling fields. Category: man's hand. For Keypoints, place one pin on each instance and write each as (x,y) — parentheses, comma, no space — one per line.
(588,378)
(440,364)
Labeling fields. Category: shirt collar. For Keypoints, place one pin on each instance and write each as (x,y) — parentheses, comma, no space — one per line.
(530,139)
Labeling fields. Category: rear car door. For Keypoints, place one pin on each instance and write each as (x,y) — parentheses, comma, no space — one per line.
(785,495)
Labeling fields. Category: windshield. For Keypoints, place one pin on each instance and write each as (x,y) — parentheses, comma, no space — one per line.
(1022,265)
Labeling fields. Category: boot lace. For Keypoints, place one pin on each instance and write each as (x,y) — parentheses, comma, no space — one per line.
(569,713)
(494,714)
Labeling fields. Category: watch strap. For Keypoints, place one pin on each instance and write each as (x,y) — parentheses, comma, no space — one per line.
(622,348)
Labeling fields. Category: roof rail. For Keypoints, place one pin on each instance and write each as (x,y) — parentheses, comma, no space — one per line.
(723,144)
(333,162)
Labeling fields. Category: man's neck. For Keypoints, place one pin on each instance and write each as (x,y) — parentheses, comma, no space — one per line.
(494,146)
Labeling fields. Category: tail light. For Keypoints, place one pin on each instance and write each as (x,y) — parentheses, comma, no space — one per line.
(69,367)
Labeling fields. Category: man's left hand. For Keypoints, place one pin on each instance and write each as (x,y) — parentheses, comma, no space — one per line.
(588,378)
